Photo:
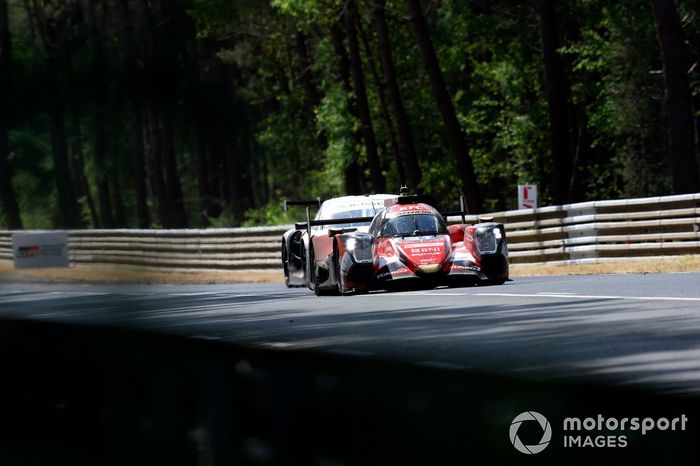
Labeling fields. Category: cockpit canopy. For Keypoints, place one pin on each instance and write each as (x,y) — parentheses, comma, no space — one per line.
(419,224)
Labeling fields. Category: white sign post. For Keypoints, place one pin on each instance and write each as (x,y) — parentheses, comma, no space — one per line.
(527,196)
(38,250)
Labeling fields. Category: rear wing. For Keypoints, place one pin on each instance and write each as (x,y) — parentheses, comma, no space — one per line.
(316,202)
(316,223)
(307,204)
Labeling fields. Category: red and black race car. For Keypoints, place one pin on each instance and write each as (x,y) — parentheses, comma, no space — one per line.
(408,245)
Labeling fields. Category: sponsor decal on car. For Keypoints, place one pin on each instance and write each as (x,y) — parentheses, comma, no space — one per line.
(475,268)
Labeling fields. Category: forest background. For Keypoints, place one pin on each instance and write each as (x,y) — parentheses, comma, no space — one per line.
(208,113)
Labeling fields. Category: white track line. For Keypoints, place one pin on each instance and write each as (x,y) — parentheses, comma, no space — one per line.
(583,296)
(560,296)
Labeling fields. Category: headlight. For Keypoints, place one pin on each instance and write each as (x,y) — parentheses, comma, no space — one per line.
(497,233)
(487,240)
(351,244)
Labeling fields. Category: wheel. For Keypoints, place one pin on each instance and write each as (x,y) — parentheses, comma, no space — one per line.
(285,264)
(318,291)
(304,265)
(317,288)
(339,279)
(309,268)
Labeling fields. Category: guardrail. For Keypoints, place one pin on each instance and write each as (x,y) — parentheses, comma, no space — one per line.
(250,249)
(590,231)
(573,233)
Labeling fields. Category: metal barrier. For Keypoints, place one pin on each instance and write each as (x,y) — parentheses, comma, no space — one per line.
(573,233)
(590,231)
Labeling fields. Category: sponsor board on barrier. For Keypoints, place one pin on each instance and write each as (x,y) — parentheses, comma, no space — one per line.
(38,250)
(527,196)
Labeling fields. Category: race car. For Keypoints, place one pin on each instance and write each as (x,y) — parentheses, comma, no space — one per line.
(340,212)
(408,244)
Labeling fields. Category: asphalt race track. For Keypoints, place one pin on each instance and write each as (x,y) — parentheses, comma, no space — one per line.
(639,330)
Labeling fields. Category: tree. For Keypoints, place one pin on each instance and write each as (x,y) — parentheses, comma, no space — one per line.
(383,107)
(53,28)
(679,103)
(406,146)
(102,175)
(353,173)
(444,103)
(7,193)
(378,181)
(159,75)
(558,100)
(135,88)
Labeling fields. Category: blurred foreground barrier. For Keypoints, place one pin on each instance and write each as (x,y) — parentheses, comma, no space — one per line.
(573,233)
(78,395)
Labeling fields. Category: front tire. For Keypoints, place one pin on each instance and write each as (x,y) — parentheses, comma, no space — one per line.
(338,274)
(318,291)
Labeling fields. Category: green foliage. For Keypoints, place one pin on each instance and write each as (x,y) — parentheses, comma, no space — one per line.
(33,179)
(232,76)
(618,80)
(271,213)
(333,118)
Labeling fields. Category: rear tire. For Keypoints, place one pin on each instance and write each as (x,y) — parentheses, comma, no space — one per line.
(306,267)
(285,264)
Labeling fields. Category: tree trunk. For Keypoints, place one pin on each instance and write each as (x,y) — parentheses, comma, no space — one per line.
(143,216)
(204,190)
(7,193)
(310,90)
(82,187)
(376,175)
(165,88)
(197,102)
(118,203)
(557,89)
(307,82)
(172,179)
(102,177)
(383,107)
(70,211)
(135,86)
(155,167)
(457,141)
(53,45)
(405,135)
(353,174)
(152,141)
(679,103)
(158,64)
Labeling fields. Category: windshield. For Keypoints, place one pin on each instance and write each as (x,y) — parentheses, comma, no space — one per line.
(364,212)
(419,225)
